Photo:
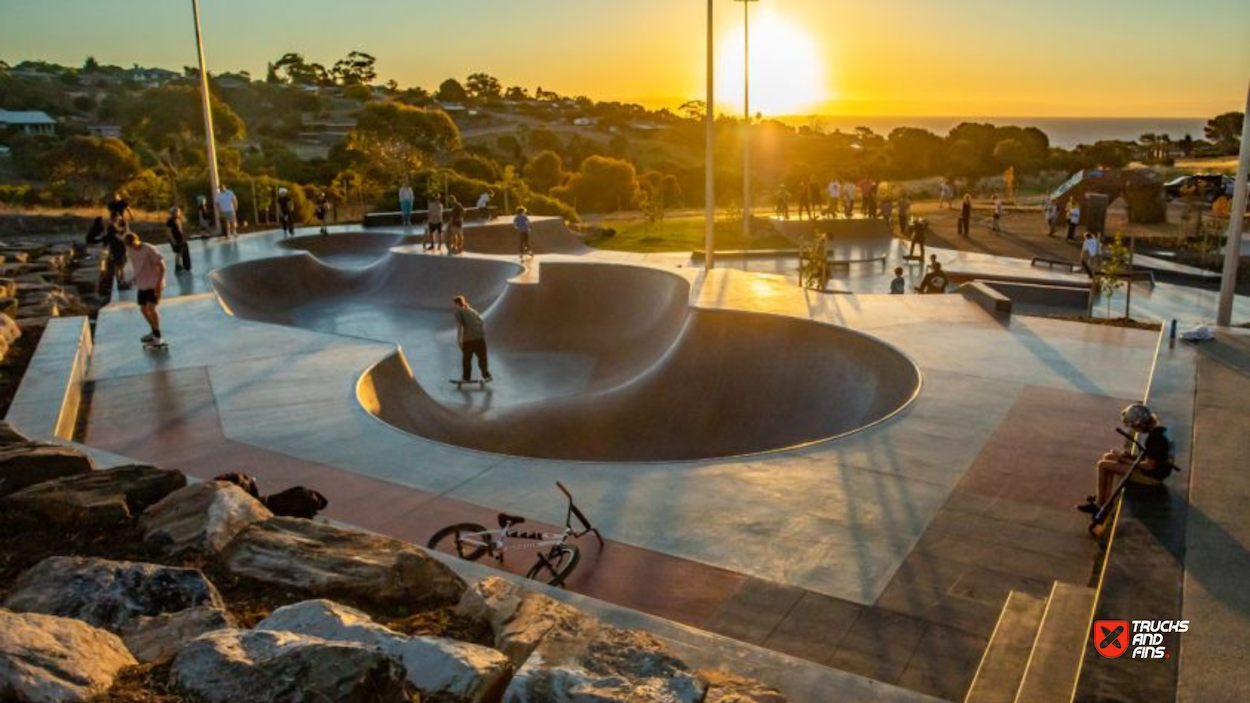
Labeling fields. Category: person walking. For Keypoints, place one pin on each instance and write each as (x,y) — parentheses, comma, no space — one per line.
(228,207)
(904,213)
(965,216)
(286,213)
(805,201)
(848,199)
(455,226)
(1074,218)
(406,199)
(115,265)
(178,241)
(322,211)
(1091,252)
(483,204)
(434,224)
(887,209)
(998,214)
(1052,216)
(471,338)
(834,189)
(521,223)
(945,193)
(149,267)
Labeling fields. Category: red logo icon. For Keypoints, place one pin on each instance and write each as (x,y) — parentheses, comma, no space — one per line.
(1111,637)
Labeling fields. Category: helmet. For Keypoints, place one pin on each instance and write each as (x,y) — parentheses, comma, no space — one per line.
(1136,415)
(282,191)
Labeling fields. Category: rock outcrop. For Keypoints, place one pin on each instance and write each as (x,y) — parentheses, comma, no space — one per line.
(153,608)
(573,656)
(27,463)
(436,665)
(47,659)
(252,666)
(97,498)
(332,561)
(202,517)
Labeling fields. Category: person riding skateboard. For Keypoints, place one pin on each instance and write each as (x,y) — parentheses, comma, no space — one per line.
(471,338)
(149,267)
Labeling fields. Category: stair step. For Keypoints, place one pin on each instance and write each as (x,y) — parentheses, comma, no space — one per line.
(1061,640)
(1002,666)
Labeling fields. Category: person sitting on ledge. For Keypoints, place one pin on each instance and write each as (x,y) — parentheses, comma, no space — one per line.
(1156,462)
(934,281)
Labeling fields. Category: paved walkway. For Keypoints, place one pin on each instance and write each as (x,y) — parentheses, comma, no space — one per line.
(885,553)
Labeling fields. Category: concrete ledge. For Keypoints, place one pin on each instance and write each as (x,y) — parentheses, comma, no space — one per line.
(47,402)
(992,301)
(396,219)
(1043,295)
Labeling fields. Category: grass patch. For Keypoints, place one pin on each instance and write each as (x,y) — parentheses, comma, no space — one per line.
(683,234)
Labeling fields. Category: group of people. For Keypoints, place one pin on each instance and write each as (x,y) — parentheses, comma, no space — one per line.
(1072,215)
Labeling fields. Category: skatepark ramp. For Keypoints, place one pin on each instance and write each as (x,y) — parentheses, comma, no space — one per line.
(594,362)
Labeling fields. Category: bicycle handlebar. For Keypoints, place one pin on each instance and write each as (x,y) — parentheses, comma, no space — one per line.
(574,511)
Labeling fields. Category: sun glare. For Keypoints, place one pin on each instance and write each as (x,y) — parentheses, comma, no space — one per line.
(788,72)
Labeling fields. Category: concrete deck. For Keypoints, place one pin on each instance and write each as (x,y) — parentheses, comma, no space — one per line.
(886,553)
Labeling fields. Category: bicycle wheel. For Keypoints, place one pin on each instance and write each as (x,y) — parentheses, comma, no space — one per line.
(556,565)
(448,541)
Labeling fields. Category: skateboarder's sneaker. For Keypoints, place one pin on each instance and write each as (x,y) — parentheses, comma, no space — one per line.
(1090,508)
(488,378)
(148,338)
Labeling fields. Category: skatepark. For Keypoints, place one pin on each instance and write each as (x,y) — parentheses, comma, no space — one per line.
(845,488)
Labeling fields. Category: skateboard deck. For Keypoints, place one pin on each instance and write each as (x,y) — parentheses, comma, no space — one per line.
(481,382)
(156,346)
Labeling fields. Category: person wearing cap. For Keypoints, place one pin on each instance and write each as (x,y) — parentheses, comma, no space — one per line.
(286,213)
(1156,460)
(149,268)
(178,241)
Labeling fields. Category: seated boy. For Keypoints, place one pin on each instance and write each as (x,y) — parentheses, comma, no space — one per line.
(1156,462)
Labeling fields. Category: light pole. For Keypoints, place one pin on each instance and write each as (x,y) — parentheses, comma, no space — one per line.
(209,145)
(746,117)
(709,184)
(1232,251)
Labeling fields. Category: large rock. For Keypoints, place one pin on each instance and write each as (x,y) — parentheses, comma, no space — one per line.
(46,659)
(25,464)
(97,498)
(152,607)
(463,671)
(570,656)
(332,561)
(252,666)
(9,434)
(202,517)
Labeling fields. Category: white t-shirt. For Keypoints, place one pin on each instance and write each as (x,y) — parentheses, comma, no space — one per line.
(148,264)
(835,191)
(1091,247)
(483,200)
(226,201)
(1074,215)
(434,212)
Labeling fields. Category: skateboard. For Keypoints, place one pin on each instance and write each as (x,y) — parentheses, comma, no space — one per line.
(481,383)
(156,346)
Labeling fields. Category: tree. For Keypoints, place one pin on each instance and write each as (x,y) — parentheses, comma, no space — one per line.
(478,167)
(92,166)
(90,65)
(602,184)
(450,91)
(394,139)
(544,172)
(292,68)
(356,69)
(543,139)
(483,87)
(693,109)
(916,152)
(516,92)
(170,116)
(1224,131)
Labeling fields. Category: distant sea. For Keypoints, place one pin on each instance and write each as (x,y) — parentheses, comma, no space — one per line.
(1066,132)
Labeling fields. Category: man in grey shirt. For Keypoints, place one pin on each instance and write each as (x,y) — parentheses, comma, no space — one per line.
(471,336)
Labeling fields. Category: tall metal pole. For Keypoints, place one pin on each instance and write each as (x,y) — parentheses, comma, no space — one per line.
(746,118)
(209,144)
(1232,250)
(709,227)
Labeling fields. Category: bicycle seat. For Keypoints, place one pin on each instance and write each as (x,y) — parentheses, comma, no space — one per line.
(506,520)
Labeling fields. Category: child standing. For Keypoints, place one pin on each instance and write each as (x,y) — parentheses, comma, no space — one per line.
(521,223)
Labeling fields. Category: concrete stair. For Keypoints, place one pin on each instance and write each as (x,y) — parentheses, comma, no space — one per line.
(1002,666)
(1035,653)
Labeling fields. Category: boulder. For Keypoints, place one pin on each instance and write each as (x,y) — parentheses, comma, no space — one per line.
(202,517)
(10,435)
(155,607)
(724,687)
(332,561)
(518,618)
(253,666)
(25,464)
(98,498)
(436,666)
(47,659)
(570,656)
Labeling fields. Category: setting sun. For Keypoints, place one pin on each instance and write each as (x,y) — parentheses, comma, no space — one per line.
(788,69)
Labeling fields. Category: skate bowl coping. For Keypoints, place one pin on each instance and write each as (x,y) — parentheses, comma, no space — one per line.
(594,362)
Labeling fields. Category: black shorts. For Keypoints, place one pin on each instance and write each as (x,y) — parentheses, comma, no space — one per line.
(148,295)
(435,226)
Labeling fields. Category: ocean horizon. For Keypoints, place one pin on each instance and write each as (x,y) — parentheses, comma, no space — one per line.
(1065,132)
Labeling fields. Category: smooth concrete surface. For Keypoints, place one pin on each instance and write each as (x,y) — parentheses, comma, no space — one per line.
(883,536)
(47,402)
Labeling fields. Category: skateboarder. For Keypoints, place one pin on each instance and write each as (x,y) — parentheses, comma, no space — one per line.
(521,223)
(471,337)
(455,226)
(286,213)
(149,268)
(1156,463)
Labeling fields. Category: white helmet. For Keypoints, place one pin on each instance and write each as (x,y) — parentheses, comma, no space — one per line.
(282,191)
(1137,416)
